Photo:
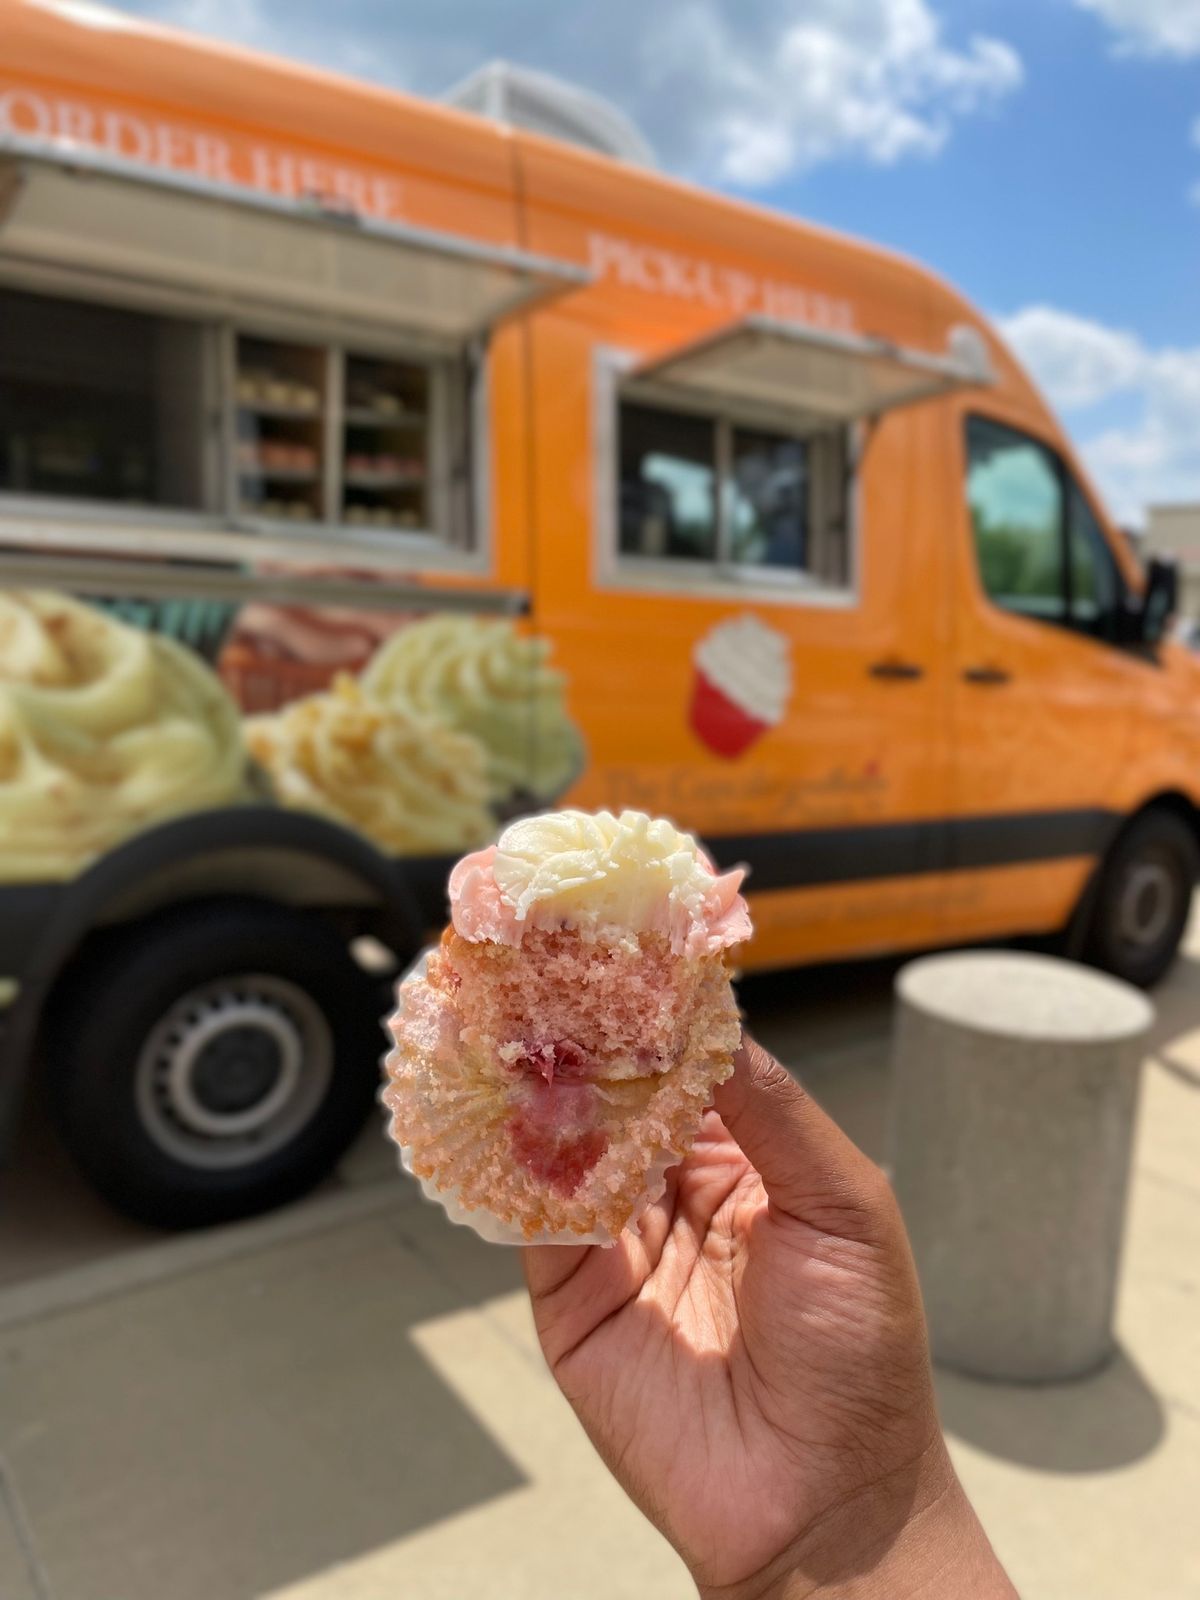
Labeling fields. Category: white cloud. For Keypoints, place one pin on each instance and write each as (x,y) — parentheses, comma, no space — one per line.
(1081,365)
(744,91)
(1077,362)
(812,82)
(1151,27)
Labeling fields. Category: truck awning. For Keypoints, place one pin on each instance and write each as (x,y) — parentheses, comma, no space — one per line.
(821,374)
(80,208)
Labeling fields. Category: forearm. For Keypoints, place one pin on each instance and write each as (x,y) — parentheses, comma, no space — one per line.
(915,1538)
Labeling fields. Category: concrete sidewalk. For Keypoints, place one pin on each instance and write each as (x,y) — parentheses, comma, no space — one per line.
(346,1402)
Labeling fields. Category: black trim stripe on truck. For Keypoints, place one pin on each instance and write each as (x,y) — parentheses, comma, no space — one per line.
(796,859)
(807,857)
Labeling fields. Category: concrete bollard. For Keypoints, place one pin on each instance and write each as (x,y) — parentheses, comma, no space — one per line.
(1014,1093)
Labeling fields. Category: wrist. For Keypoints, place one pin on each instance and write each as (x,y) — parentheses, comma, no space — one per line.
(912,1537)
(938,1552)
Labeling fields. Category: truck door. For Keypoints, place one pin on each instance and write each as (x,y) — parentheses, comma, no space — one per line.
(850,861)
(1042,690)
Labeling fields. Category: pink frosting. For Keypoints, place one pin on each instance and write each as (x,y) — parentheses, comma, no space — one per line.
(477,909)
(480,912)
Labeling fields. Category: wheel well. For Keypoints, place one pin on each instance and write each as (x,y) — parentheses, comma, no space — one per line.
(117,925)
(287,858)
(1173,801)
(288,877)
(1170,800)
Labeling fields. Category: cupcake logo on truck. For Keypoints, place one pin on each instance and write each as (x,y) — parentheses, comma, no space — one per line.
(742,685)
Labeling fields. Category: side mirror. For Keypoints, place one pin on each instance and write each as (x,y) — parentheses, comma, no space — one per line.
(1160,600)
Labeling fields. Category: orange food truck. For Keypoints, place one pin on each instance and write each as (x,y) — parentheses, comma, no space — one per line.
(371,473)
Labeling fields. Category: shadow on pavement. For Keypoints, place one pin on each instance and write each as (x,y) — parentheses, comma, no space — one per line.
(230,1431)
(1094,1424)
(829,1004)
(1175,997)
(1179,1069)
(50,1219)
(470,1270)
(1174,1040)
(830,1025)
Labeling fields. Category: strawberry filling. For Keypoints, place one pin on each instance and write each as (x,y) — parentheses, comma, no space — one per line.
(554,1134)
(553,1058)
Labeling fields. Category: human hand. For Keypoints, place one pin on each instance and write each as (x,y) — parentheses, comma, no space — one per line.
(752,1364)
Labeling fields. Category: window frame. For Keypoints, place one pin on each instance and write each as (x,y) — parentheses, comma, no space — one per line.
(467,547)
(1123,594)
(614,569)
(1068,484)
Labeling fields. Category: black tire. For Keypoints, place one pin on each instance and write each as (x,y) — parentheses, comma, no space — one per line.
(1139,906)
(168,1036)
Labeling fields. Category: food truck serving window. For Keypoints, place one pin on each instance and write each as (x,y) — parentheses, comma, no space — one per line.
(173,345)
(116,407)
(734,450)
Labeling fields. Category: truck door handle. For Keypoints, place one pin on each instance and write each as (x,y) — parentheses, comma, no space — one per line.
(896,670)
(988,677)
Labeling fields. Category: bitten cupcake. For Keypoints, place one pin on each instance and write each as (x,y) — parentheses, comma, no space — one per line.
(742,685)
(554,1060)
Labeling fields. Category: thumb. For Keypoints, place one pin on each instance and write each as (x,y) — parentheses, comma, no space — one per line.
(809,1168)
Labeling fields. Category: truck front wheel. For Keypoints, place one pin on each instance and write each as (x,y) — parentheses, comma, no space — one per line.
(1141,901)
(214,1061)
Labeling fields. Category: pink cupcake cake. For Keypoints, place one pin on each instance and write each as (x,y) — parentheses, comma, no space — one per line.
(555,1057)
(742,685)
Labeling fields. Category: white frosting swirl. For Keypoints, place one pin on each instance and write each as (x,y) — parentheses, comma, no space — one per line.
(748,662)
(617,869)
(603,876)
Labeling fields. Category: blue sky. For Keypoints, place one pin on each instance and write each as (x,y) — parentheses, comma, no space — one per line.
(1043,154)
(1073,190)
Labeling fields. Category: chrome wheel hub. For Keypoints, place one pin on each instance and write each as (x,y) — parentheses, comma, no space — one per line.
(233,1070)
(1146,904)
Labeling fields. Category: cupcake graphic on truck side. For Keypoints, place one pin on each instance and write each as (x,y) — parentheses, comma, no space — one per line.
(742,685)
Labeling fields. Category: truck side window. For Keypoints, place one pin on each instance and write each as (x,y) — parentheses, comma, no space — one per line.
(1096,589)
(668,484)
(1015,495)
(1040,549)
